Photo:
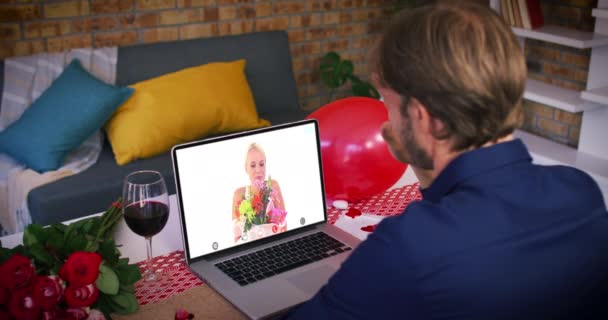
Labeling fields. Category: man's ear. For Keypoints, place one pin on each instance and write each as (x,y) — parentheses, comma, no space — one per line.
(426,121)
(419,114)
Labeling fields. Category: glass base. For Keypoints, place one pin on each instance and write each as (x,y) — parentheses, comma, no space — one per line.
(150,276)
(155,281)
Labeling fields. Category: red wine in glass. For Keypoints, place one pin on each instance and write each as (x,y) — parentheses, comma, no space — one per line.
(147,218)
(146,210)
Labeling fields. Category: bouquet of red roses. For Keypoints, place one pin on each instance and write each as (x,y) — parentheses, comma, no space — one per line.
(68,272)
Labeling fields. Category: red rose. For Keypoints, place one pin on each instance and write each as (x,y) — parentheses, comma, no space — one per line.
(5,296)
(22,304)
(16,272)
(82,296)
(48,291)
(81,268)
(4,315)
(77,313)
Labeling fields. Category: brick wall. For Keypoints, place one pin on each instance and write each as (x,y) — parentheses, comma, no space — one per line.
(562,66)
(314,26)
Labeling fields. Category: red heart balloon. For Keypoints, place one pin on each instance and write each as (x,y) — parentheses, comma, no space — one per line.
(357,163)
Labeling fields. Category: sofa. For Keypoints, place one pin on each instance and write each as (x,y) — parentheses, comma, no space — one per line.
(268,72)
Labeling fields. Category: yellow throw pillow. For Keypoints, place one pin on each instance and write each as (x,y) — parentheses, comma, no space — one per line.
(182,106)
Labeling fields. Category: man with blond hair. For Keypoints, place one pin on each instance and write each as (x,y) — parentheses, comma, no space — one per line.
(495,236)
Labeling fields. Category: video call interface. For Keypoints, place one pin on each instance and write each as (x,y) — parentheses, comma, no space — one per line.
(244,189)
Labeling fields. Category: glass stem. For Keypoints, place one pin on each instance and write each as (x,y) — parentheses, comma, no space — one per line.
(149,251)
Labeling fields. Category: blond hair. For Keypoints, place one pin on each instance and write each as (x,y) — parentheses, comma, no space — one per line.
(462,62)
(254,146)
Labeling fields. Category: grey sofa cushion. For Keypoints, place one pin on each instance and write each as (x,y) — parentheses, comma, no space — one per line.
(92,190)
(268,67)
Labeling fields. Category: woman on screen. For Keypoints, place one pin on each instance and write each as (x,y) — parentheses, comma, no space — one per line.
(258,209)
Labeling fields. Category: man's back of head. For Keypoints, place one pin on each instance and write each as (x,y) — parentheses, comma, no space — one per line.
(462,62)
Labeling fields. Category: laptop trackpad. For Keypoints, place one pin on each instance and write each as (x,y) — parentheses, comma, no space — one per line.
(310,281)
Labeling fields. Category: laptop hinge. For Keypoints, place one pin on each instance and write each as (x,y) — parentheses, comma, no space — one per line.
(257,243)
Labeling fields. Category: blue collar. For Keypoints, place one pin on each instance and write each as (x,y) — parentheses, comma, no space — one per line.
(473,163)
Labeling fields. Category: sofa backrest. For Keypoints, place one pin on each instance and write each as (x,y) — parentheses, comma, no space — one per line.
(268,67)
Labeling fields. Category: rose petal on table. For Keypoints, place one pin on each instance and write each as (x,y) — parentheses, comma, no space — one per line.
(353,213)
(182,314)
(369,228)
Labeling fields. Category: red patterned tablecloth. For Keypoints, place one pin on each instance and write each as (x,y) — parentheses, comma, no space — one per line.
(178,277)
(390,203)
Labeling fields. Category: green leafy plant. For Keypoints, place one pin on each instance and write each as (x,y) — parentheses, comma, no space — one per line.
(335,72)
(81,264)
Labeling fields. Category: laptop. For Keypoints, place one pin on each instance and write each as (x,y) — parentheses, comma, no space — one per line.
(263,258)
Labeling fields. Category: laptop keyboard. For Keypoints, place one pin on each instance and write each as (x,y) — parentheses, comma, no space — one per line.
(280,258)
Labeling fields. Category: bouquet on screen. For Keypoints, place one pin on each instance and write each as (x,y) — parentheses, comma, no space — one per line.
(68,272)
(258,207)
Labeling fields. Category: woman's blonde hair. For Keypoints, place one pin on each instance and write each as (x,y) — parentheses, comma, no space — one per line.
(254,146)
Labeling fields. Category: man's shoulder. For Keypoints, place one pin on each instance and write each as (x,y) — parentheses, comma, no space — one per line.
(564,171)
(422,228)
(573,181)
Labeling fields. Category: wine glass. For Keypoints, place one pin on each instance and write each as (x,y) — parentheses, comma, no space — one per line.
(146,210)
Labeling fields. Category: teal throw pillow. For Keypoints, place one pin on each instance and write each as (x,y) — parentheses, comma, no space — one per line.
(74,106)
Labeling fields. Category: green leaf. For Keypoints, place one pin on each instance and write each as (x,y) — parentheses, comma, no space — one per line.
(107,250)
(91,246)
(69,232)
(55,269)
(42,255)
(91,226)
(107,281)
(330,60)
(59,227)
(128,274)
(105,305)
(20,249)
(55,240)
(127,288)
(122,262)
(5,254)
(126,301)
(345,69)
(77,243)
(362,89)
(34,233)
(334,71)
(76,227)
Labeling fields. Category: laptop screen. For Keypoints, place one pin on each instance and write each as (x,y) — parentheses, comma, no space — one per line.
(241,188)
